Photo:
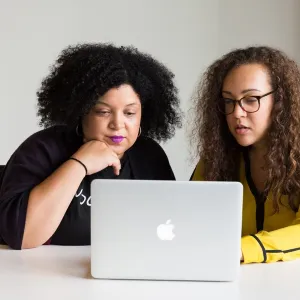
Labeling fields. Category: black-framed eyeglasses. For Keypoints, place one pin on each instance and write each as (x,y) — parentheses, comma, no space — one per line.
(249,104)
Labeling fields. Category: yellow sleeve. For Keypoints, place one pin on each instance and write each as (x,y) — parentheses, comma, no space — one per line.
(198,172)
(282,244)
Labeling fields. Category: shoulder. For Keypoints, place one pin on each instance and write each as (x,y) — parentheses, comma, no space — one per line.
(48,139)
(39,155)
(198,173)
(49,135)
(52,144)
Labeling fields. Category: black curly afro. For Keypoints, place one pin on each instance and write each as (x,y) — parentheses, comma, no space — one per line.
(84,72)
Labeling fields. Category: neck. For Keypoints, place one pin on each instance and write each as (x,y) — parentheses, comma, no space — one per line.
(259,149)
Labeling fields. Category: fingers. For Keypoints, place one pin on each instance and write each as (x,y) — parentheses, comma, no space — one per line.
(117,167)
(116,163)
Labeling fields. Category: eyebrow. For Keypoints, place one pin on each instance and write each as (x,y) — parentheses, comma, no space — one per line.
(106,104)
(243,92)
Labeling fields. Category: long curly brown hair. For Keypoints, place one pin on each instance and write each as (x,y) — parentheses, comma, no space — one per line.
(219,150)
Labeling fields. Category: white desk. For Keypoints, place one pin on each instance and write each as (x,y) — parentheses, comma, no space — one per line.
(52,272)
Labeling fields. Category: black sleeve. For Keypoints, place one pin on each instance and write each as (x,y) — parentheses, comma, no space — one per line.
(31,163)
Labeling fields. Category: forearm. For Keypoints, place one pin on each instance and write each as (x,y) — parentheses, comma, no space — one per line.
(282,244)
(49,201)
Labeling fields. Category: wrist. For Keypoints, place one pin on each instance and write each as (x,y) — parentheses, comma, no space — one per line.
(79,162)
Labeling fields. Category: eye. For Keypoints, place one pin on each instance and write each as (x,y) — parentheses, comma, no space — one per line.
(250,100)
(130,113)
(103,112)
(228,101)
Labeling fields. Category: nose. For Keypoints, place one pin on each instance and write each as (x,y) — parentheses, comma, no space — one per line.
(117,121)
(238,111)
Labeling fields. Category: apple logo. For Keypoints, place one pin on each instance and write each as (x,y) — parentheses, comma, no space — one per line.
(165,231)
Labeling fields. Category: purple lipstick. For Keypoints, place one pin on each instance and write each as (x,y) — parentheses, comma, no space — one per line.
(117,139)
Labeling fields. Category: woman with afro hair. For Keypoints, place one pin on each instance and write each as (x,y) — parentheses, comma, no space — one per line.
(103,109)
(247,130)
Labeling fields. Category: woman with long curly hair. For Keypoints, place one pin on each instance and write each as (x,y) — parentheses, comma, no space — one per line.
(247,129)
(102,108)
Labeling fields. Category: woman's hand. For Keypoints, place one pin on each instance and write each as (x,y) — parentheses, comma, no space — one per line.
(96,156)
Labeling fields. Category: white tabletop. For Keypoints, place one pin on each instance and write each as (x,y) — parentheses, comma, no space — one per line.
(53,272)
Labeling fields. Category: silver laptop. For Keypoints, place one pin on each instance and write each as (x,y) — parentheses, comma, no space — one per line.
(166,230)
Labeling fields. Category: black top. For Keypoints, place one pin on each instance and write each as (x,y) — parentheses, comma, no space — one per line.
(38,157)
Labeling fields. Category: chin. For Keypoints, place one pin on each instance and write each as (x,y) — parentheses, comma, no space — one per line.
(244,142)
(119,149)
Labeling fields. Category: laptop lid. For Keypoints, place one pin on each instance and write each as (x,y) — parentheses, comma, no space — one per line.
(166,230)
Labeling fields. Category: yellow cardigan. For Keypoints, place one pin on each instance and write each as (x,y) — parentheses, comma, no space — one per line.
(279,235)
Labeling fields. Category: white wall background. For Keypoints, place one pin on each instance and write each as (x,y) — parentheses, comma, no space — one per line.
(186,35)
(272,22)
